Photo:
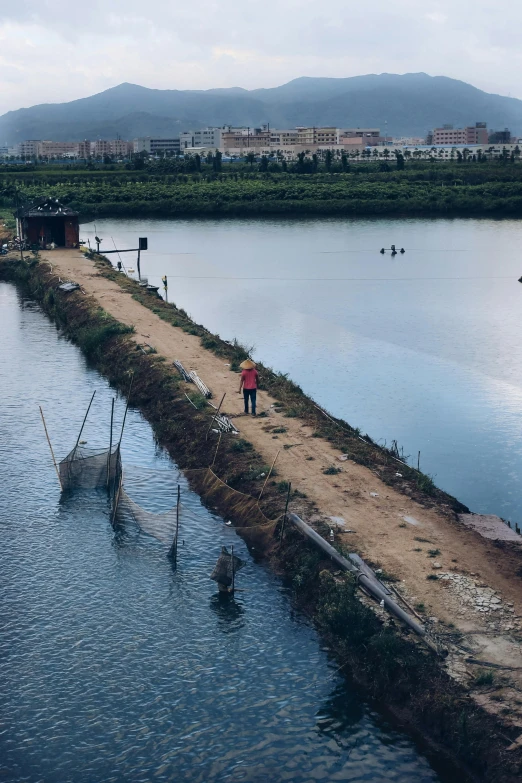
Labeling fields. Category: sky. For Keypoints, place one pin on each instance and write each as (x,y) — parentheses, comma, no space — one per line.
(58,50)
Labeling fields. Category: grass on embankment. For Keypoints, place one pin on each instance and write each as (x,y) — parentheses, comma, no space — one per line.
(391,667)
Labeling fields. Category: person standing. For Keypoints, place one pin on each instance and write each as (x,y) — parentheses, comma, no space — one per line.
(248,383)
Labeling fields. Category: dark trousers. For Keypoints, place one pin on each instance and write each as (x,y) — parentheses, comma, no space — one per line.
(252,394)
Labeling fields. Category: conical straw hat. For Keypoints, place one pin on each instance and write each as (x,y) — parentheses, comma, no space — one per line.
(248,364)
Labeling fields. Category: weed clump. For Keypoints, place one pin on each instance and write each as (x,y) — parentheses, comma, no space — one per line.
(198,400)
(331,471)
(241,445)
(484,677)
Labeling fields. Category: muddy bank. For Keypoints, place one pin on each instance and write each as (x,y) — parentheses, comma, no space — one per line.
(391,666)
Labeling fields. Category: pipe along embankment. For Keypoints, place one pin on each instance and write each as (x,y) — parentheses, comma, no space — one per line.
(387,662)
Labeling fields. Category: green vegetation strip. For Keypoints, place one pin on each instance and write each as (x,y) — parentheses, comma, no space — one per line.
(383,659)
(421,188)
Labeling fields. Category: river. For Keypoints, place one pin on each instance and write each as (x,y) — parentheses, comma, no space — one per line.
(114,665)
(422,348)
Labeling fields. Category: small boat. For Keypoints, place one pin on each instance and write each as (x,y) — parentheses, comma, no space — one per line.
(225,570)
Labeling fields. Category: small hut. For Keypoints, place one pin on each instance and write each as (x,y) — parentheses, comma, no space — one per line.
(48,222)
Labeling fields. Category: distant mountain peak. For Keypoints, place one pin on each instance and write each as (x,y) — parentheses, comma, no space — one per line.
(411,104)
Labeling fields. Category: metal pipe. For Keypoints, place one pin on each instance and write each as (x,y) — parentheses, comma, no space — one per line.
(364,581)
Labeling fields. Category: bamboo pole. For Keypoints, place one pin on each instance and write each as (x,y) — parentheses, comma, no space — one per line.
(52,452)
(84,420)
(269,474)
(110,446)
(216,451)
(115,509)
(126,409)
(216,414)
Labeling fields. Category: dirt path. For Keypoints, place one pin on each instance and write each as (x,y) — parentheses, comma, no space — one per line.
(388,528)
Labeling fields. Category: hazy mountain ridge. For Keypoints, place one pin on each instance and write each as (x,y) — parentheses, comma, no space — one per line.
(410,104)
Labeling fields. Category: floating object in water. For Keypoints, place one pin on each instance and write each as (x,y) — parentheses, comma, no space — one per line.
(228,523)
(382,250)
(520,279)
(402,250)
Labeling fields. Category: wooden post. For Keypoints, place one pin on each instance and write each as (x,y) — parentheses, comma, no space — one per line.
(269,474)
(216,414)
(418,462)
(84,420)
(286,511)
(110,447)
(139,268)
(52,452)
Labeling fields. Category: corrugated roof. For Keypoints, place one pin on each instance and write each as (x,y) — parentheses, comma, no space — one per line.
(48,207)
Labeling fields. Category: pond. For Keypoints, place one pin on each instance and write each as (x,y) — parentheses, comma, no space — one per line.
(423,347)
(114,665)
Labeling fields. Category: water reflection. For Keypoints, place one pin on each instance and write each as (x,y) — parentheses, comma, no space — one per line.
(228,611)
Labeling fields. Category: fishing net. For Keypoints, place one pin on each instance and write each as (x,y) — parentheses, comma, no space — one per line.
(243,510)
(85,468)
(160,525)
(226,567)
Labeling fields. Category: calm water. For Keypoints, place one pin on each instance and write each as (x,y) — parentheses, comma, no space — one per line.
(423,348)
(115,667)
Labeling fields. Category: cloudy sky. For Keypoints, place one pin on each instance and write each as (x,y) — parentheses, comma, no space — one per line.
(58,50)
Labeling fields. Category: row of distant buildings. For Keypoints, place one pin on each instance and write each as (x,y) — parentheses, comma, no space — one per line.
(281,143)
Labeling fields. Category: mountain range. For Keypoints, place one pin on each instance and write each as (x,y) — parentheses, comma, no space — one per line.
(400,105)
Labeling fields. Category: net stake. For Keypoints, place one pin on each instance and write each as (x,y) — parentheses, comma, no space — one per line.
(233,574)
(52,452)
(173,551)
(269,474)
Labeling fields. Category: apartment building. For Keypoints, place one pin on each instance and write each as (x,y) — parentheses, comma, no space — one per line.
(241,138)
(476,134)
(206,137)
(29,148)
(155,146)
(57,149)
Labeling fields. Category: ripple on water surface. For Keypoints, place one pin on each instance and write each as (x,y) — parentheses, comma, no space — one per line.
(116,667)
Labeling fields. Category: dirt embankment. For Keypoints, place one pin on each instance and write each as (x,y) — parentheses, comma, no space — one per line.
(468,588)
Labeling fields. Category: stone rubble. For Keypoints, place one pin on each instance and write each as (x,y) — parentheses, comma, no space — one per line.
(482,600)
